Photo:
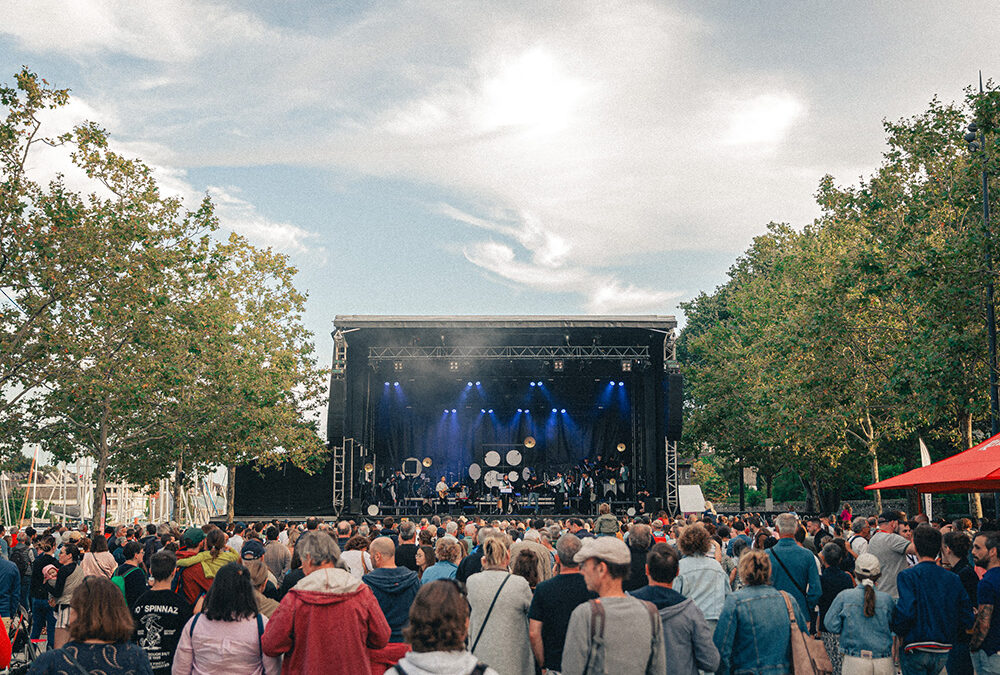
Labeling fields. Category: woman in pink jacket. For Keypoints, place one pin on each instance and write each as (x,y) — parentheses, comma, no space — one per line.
(226,637)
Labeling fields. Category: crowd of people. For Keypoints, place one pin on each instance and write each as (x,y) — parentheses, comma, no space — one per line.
(644,595)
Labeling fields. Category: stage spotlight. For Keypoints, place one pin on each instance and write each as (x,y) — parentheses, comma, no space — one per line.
(477,383)
(626,366)
(387,384)
(557,365)
(563,411)
(395,384)
(469,384)
(397,366)
(490,411)
(612,383)
(519,410)
(445,411)
(453,410)
(533,384)
(554,410)
(482,410)
(453,366)
(621,384)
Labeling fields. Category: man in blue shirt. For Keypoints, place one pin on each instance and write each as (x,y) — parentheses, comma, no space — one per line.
(793,568)
(932,607)
(10,591)
(986,633)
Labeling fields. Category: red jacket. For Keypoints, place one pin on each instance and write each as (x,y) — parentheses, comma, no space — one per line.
(326,624)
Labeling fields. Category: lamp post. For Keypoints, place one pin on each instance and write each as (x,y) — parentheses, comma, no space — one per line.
(976,138)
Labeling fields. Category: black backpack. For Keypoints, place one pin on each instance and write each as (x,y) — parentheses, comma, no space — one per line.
(19,556)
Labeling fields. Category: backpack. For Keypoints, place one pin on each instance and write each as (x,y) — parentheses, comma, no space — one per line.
(19,556)
(119,580)
(595,653)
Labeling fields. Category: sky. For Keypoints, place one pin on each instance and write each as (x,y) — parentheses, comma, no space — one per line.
(499,157)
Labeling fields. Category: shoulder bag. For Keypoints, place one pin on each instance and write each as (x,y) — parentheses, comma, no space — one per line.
(489,611)
(809,656)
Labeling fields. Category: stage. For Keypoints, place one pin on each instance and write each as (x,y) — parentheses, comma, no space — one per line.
(565,411)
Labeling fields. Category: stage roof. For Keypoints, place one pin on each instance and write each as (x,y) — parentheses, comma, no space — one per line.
(648,322)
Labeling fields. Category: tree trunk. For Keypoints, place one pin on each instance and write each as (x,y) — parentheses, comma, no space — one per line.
(230,494)
(178,491)
(817,499)
(99,516)
(965,427)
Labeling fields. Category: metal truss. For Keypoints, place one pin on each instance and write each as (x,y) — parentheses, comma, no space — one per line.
(343,459)
(522,352)
(673,494)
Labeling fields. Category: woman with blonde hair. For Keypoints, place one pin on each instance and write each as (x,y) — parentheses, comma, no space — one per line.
(448,553)
(214,557)
(498,626)
(753,634)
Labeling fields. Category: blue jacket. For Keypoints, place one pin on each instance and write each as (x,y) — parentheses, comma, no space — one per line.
(394,588)
(801,563)
(10,588)
(753,634)
(932,607)
(857,631)
(442,569)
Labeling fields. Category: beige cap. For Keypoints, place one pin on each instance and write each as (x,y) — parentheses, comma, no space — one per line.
(608,549)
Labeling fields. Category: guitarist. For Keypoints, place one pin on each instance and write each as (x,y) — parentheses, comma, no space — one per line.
(442,490)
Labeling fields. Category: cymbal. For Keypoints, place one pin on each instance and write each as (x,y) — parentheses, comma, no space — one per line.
(529,442)
(427,461)
(620,447)
(369,467)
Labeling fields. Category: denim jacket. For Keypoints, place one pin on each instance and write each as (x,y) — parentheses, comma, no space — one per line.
(857,631)
(702,580)
(753,633)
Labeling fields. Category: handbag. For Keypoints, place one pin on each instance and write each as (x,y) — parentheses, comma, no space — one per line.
(809,656)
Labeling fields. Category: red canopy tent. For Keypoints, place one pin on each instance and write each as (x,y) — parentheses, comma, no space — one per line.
(975,470)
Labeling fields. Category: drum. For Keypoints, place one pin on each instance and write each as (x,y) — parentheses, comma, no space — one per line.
(512,476)
(475,471)
(514,457)
(492,458)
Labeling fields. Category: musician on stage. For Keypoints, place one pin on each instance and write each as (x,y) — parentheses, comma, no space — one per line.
(586,492)
(442,490)
(561,489)
(533,486)
(506,492)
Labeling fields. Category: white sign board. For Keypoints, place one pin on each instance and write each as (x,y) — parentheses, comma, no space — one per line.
(692,499)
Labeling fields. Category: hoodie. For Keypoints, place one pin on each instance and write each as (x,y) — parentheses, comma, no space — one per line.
(394,588)
(438,663)
(686,635)
(328,604)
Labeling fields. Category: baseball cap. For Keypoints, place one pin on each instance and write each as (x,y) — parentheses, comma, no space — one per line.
(608,549)
(193,535)
(889,515)
(868,565)
(74,535)
(252,550)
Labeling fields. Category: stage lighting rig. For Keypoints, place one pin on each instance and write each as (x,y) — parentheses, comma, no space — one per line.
(627,366)
(397,366)
(558,365)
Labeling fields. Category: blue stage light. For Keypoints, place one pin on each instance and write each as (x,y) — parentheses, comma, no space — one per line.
(490,411)
(453,410)
(477,383)
(621,384)
(519,410)
(612,383)
(445,411)
(395,384)
(468,384)
(387,384)
(554,410)
(482,410)
(563,411)
(532,384)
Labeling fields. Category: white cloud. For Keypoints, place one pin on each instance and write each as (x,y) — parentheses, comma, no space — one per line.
(763,118)
(242,217)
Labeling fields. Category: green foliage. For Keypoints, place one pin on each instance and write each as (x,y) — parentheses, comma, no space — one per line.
(134,336)
(713,486)
(836,344)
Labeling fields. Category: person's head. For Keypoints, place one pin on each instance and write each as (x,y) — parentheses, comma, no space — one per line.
(754,568)
(574,525)
(955,546)
(567,547)
(640,536)
(905,529)
(604,508)
(496,553)
(150,529)
(739,546)
(317,549)
(927,541)
(985,548)
(98,612)
(724,532)
(71,553)
(528,563)
(383,552)
(694,540)
(786,524)
(867,570)
(407,531)
(860,526)
(889,519)
(99,545)
(162,565)
(357,543)
(388,522)
(258,573)
(448,548)
(215,542)
(832,555)
(425,557)
(46,543)
(439,618)
(662,564)
(604,563)
(230,597)
(132,552)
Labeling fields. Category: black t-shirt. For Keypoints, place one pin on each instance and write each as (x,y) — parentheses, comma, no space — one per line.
(159,618)
(135,582)
(553,603)
(37,579)
(406,556)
